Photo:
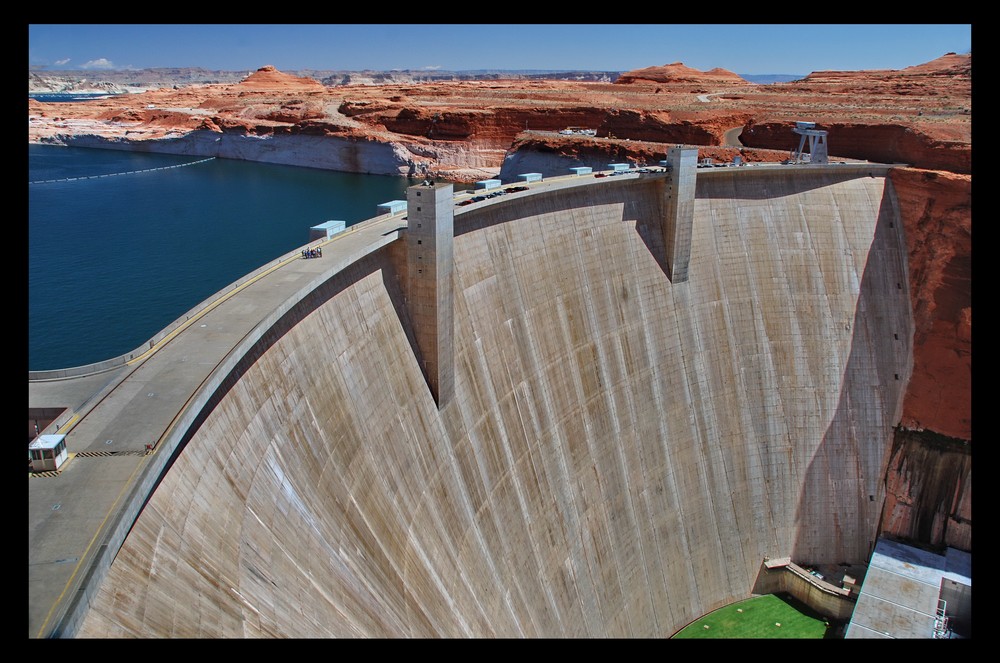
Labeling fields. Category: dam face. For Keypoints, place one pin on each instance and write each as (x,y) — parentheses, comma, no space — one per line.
(620,452)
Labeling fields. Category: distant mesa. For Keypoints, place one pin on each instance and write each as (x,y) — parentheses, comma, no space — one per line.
(949,64)
(678,73)
(267,77)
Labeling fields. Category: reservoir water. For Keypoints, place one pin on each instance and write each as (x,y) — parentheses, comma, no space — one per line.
(113,260)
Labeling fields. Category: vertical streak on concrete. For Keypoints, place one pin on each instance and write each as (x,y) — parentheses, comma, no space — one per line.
(679,211)
(429,292)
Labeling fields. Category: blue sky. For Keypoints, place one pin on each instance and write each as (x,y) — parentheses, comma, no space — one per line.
(743,48)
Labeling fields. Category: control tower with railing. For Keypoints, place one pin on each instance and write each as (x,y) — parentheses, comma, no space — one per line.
(817,144)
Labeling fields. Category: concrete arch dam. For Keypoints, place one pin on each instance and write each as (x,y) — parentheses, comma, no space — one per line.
(620,454)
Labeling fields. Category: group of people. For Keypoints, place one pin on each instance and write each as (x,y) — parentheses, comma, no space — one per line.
(313,253)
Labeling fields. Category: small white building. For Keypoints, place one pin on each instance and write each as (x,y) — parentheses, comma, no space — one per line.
(392,207)
(326,230)
(581,170)
(47,452)
(530,177)
(486,185)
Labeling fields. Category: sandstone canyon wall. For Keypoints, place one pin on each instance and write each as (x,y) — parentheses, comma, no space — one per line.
(929,480)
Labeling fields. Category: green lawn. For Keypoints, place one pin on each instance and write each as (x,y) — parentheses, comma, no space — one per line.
(759,617)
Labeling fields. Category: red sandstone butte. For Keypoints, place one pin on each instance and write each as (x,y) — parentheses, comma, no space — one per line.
(677,73)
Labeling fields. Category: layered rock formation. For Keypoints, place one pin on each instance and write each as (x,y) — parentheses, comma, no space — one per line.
(929,490)
(466,130)
(935,210)
(678,74)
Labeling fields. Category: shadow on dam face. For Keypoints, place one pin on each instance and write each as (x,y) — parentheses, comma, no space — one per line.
(837,497)
(620,454)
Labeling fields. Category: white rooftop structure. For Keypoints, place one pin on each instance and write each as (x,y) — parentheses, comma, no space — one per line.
(488,184)
(909,592)
(392,207)
(326,230)
(46,442)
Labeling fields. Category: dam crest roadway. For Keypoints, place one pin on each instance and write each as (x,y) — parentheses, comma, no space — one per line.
(640,413)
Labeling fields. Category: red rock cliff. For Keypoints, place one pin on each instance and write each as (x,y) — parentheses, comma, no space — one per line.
(936,212)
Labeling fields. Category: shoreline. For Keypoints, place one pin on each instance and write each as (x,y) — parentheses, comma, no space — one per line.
(332,153)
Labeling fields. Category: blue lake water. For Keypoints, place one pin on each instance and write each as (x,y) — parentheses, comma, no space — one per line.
(56,97)
(113,260)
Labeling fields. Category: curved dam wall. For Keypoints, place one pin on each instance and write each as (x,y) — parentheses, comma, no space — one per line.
(620,454)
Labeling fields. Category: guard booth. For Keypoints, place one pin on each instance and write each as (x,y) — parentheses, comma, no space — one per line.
(47,452)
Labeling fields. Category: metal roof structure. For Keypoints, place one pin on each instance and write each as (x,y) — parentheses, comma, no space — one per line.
(903,592)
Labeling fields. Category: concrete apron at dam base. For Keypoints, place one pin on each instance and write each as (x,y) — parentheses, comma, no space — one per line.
(618,451)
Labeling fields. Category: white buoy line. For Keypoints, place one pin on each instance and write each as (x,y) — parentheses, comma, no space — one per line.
(130,172)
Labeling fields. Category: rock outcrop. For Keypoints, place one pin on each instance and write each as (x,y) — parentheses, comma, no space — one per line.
(269,79)
(677,73)
(936,214)
(929,490)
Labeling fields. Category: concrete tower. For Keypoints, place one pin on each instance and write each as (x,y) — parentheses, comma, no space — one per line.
(429,292)
(679,211)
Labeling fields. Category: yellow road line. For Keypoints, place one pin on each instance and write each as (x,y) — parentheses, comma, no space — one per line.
(68,426)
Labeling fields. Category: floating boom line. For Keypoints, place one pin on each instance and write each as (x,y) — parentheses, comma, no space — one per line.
(130,172)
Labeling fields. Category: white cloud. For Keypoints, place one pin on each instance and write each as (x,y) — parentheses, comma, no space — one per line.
(62,62)
(431,67)
(99,63)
